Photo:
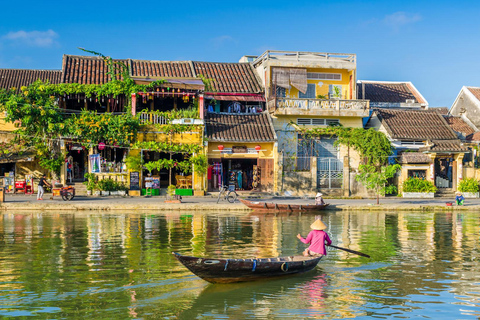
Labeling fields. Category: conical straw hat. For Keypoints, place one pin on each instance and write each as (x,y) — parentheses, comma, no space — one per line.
(318,225)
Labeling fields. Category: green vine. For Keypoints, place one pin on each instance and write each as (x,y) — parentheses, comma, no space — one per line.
(373,146)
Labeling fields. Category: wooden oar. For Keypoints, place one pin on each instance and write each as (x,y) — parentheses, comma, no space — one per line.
(351,251)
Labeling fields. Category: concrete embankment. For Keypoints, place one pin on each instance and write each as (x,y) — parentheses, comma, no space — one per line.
(209,204)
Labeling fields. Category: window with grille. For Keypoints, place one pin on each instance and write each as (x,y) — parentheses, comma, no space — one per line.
(318,121)
(324,76)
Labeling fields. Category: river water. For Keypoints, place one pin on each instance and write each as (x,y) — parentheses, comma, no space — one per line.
(120,266)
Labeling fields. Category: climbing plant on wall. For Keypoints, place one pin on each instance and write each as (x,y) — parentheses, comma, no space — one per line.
(373,146)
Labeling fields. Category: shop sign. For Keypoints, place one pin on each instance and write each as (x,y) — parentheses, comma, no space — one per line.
(239,149)
(76,147)
(134,180)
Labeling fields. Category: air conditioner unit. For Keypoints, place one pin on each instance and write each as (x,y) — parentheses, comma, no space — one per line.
(410,101)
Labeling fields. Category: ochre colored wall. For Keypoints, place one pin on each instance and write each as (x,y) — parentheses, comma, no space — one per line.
(324,88)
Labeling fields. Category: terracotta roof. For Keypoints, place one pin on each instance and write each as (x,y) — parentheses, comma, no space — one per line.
(16,78)
(86,70)
(442,110)
(229,77)
(444,146)
(415,124)
(393,92)
(413,157)
(475,91)
(474,137)
(227,127)
(161,69)
(458,125)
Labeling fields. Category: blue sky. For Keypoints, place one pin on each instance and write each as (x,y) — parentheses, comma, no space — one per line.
(434,44)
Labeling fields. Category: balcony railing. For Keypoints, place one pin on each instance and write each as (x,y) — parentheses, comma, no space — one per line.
(148,118)
(292,104)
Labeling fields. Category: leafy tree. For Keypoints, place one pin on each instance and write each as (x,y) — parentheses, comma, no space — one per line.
(377,179)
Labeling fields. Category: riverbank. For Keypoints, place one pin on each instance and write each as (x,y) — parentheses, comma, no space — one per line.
(208,203)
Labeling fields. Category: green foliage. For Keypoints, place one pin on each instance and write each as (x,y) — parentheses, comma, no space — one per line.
(468,185)
(91,181)
(53,164)
(171,190)
(377,179)
(200,163)
(168,147)
(112,129)
(107,184)
(418,185)
(373,146)
(134,162)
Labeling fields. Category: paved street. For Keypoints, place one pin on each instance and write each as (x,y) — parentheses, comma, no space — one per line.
(208,203)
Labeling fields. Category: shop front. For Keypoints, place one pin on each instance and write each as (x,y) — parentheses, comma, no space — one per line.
(241,151)
(247,167)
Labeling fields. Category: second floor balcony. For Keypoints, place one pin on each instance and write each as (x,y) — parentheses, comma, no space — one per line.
(321,107)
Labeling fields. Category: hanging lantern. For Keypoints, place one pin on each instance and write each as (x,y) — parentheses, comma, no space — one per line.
(258,147)
(101,146)
(220,147)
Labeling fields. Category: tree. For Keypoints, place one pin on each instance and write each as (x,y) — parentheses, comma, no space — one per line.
(377,179)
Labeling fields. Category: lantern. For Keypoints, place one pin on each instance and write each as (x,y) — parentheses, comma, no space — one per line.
(220,147)
(258,147)
(101,146)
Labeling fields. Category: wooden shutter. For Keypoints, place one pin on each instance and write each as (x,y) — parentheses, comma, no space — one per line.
(266,174)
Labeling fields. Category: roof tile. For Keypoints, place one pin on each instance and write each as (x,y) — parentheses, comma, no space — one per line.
(253,127)
(415,124)
(16,78)
(393,92)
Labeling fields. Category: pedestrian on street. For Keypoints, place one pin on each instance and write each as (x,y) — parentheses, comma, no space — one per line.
(317,238)
(41,184)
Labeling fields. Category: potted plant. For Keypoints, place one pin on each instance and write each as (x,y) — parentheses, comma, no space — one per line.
(171,198)
(418,188)
(469,188)
(90,182)
(106,185)
(122,189)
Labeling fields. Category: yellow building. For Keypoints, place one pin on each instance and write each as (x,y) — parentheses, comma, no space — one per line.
(311,90)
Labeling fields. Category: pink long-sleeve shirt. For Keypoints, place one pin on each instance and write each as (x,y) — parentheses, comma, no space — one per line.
(317,239)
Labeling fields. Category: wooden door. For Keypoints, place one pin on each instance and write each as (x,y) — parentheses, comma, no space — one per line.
(266,174)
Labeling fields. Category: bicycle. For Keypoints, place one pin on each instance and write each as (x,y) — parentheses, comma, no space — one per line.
(229,195)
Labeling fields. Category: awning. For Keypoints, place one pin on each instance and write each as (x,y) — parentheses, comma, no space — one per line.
(177,83)
(17,157)
(284,77)
(235,97)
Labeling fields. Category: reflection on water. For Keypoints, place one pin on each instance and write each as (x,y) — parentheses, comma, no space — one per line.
(82,265)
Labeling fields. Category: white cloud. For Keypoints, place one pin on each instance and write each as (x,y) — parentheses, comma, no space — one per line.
(33,38)
(400,19)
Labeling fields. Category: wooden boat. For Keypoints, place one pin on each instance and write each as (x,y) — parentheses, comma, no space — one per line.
(271,206)
(239,270)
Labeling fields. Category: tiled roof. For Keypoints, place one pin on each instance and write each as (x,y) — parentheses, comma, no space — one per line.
(393,92)
(86,70)
(444,146)
(229,77)
(16,78)
(458,125)
(442,110)
(166,69)
(415,124)
(474,137)
(475,91)
(413,157)
(227,127)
